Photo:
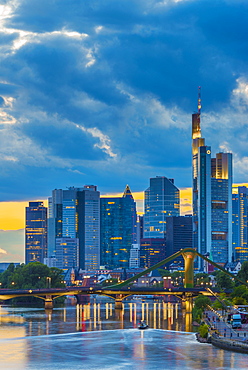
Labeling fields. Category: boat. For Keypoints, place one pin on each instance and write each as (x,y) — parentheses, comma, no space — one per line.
(143,325)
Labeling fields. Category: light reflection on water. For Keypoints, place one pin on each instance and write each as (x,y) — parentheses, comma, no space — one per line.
(96,336)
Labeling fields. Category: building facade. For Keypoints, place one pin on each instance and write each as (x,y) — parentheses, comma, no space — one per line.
(239,224)
(66,253)
(36,232)
(178,236)
(162,199)
(152,251)
(118,229)
(212,198)
(75,213)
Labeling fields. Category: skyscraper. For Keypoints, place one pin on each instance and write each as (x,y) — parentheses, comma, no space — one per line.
(178,235)
(36,232)
(66,253)
(118,229)
(75,213)
(161,200)
(212,197)
(239,224)
(152,251)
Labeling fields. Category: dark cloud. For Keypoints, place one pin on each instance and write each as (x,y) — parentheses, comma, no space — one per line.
(101,91)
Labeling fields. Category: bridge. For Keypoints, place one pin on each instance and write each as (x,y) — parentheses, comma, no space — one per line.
(123,290)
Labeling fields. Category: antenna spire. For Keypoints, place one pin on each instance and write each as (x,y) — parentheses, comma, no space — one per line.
(199,99)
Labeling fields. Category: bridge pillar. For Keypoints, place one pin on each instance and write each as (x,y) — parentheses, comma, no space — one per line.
(189,269)
(189,304)
(183,304)
(48,302)
(118,302)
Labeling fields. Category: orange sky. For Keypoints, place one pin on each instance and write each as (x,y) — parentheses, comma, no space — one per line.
(12,214)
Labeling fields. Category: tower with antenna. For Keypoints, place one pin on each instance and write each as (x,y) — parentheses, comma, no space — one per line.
(199,99)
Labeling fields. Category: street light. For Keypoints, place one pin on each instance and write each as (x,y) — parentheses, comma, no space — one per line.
(49,280)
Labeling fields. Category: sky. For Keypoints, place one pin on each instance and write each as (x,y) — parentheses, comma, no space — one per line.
(102,92)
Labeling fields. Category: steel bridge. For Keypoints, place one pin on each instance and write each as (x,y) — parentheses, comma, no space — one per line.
(123,290)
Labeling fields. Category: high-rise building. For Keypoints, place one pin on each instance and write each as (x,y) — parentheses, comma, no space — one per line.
(36,232)
(178,235)
(152,251)
(212,198)
(161,200)
(118,229)
(75,213)
(134,260)
(239,224)
(67,253)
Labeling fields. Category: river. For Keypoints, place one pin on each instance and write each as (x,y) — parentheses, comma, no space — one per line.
(96,336)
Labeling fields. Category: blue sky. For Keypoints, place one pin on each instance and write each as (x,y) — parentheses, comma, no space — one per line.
(102,92)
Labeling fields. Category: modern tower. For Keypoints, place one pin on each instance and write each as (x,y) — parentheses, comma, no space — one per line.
(178,235)
(36,232)
(240,224)
(161,200)
(118,229)
(212,197)
(75,213)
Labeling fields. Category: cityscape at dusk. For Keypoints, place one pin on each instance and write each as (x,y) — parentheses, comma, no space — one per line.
(124,184)
(108,101)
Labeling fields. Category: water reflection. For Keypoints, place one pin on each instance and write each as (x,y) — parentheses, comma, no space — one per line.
(158,315)
(95,315)
(91,336)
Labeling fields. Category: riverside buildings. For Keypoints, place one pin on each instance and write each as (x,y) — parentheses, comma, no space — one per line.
(178,236)
(118,229)
(36,232)
(212,197)
(239,224)
(75,214)
(161,200)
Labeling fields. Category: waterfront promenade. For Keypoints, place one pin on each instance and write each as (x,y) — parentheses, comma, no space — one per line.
(218,323)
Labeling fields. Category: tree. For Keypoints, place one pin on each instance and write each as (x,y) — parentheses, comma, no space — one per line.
(224,281)
(243,273)
(203,330)
(34,275)
(239,291)
(202,302)
(5,277)
(239,301)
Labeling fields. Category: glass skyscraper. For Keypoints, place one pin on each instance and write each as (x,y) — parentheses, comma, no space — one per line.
(162,199)
(118,229)
(212,198)
(239,224)
(36,232)
(75,213)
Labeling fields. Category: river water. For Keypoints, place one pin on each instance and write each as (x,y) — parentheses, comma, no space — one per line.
(96,336)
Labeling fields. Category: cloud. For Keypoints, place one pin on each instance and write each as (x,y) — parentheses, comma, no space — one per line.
(102,92)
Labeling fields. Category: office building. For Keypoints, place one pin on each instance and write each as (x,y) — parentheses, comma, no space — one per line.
(75,213)
(212,198)
(152,251)
(178,236)
(239,224)
(67,253)
(36,232)
(118,229)
(162,199)
(134,260)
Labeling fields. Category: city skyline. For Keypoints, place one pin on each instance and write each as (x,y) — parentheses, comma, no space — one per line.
(104,93)
(12,216)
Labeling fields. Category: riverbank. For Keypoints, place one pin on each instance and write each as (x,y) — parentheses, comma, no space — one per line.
(229,344)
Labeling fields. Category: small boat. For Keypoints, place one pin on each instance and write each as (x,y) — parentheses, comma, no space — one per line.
(143,325)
